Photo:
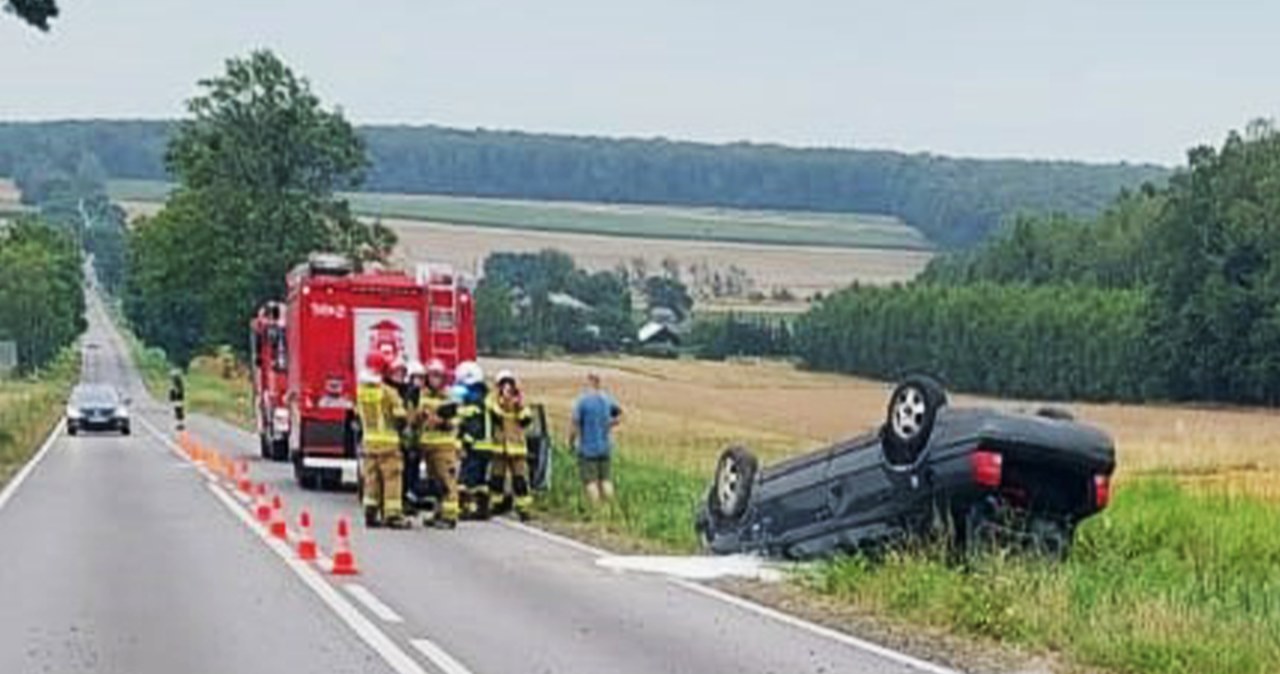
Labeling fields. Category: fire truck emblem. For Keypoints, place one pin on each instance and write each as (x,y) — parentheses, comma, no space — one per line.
(386,337)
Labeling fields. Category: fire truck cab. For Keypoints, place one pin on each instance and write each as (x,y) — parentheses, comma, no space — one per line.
(336,317)
(270,365)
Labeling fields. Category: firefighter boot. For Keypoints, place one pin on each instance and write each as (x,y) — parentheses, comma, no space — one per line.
(371,517)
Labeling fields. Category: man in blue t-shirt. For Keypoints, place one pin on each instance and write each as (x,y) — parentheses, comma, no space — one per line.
(591,437)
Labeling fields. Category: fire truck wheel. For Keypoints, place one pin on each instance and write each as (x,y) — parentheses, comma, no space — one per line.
(307,478)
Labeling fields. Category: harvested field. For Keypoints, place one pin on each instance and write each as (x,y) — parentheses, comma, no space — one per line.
(685,411)
(800,269)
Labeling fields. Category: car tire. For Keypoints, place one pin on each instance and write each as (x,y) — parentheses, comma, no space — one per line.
(307,478)
(125,430)
(1051,539)
(913,408)
(735,476)
(72,430)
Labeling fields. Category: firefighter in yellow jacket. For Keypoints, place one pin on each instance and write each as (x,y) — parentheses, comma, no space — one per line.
(509,470)
(437,416)
(382,415)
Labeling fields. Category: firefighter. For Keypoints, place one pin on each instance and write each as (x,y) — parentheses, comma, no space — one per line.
(411,434)
(438,414)
(509,471)
(382,414)
(177,398)
(476,433)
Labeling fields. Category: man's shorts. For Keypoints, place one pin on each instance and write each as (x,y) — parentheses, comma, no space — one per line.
(594,468)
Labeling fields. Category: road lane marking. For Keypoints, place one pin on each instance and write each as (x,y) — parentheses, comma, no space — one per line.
(811,627)
(438,657)
(14,482)
(375,638)
(748,605)
(375,605)
(554,538)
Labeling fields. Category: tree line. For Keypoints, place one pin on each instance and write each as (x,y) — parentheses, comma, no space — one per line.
(955,202)
(41,297)
(1172,292)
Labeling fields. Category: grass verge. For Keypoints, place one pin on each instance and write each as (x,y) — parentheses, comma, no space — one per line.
(29,408)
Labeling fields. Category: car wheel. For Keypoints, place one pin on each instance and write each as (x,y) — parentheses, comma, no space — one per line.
(735,476)
(1050,539)
(72,430)
(306,478)
(125,430)
(913,408)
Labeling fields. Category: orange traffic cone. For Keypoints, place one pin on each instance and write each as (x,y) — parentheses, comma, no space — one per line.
(344,561)
(278,527)
(306,543)
(262,508)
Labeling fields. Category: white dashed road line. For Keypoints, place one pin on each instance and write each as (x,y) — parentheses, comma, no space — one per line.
(375,605)
(438,657)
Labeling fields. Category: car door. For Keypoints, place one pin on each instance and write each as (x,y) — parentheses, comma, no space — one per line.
(859,489)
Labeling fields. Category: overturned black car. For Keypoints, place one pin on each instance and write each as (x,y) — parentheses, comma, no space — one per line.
(980,476)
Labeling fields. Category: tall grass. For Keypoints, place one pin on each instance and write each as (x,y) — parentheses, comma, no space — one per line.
(29,408)
(654,506)
(1166,581)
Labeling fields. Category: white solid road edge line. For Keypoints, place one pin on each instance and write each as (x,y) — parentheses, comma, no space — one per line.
(17,480)
(375,605)
(368,632)
(748,605)
(438,657)
(801,623)
(376,639)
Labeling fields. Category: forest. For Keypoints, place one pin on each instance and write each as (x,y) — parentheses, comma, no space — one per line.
(955,202)
(1171,293)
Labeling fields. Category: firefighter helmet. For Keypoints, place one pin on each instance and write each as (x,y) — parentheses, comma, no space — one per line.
(415,369)
(469,373)
(436,366)
(505,376)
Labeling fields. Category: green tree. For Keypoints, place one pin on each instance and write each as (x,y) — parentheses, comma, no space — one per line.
(258,165)
(41,299)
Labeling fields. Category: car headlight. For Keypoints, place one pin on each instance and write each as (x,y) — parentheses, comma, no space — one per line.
(122,412)
(73,413)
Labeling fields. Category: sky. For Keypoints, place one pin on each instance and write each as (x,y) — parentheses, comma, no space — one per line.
(1096,80)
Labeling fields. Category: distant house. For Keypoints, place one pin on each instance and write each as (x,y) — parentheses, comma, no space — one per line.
(567,301)
(654,333)
(663,315)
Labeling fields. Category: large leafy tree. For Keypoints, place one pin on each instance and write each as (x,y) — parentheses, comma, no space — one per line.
(35,12)
(41,302)
(257,165)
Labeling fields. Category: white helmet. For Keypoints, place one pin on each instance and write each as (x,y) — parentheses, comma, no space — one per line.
(436,366)
(469,373)
(415,369)
(505,375)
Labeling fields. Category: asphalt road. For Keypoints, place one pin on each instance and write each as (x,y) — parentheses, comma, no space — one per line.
(119,555)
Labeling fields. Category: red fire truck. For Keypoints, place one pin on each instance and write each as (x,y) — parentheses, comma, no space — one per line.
(267,355)
(335,316)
